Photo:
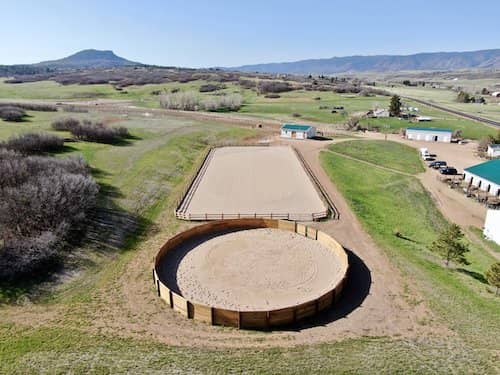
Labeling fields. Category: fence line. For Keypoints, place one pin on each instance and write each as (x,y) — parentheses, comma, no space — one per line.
(251,319)
(334,211)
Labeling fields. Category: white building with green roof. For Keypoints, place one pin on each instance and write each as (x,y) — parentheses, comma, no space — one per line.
(485,176)
(297,131)
(429,134)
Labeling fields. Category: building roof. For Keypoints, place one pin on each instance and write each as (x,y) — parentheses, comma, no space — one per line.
(489,170)
(296,127)
(431,130)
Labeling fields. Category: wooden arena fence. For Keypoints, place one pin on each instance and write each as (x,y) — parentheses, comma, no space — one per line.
(250,319)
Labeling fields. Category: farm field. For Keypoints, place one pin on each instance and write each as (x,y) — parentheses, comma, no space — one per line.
(294,106)
(102,315)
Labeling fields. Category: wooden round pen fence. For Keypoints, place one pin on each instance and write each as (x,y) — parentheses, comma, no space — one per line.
(264,319)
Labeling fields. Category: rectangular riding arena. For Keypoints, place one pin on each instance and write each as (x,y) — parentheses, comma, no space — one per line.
(252,181)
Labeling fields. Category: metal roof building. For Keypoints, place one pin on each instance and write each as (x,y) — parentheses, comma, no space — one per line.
(486,176)
(429,134)
(297,131)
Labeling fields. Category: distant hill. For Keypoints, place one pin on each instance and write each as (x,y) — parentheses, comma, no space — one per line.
(485,59)
(88,59)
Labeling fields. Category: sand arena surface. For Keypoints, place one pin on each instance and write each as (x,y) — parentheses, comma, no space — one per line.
(256,269)
(261,180)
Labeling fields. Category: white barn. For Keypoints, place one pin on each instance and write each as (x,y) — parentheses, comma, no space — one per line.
(429,134)
(485,176)
(493,151)
(296,131)
(492,226)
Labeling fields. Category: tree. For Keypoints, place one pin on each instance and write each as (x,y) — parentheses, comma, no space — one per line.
(493,276)
(457,134)
(449,245)
(463,97)
(484,142)
(395,106)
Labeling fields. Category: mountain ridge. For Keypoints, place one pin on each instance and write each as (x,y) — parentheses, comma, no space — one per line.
(87,58)
(481,59)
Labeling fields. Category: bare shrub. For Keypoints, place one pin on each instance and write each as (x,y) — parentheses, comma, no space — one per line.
(32,106)
(247,83)
(230,102)
(210,87)
(42,202)
(13,114)
(185,100)
(87,130)
(34,143)
(65,124)
(274,87)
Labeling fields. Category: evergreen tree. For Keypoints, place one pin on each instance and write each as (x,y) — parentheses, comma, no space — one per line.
(493,276)
(449,245)
(395,106)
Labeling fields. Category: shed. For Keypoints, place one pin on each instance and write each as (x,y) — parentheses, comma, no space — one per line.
(493,151)
(492,226)
(485,176)
(297,131)
(429,134)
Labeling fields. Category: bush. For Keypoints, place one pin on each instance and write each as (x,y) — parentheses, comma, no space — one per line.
(209,87)
(31,106)
(247,83)
(274,87)
(43,201)
(98,132)
(34,143)
(90,131)
(224,103)
(14,114)
(186,101)
(463,97)
(65,124)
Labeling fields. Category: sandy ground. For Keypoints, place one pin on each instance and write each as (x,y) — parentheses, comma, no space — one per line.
(252,270)
(262,180)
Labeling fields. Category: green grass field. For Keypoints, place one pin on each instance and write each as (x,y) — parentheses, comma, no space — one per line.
(384,153)
(387,202)
(282,109)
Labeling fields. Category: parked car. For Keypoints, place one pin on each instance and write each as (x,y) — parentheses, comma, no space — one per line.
(437,164)
(428,158)
(448,170)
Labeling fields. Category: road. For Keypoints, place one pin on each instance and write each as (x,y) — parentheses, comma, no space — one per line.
(455,112)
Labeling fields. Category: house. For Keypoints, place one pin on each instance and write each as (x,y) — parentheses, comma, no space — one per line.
(429,134)
(493,151)
(297,131)
(492,226)
(380,113)
(485,176)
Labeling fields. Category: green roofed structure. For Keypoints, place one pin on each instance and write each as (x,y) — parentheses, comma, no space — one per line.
(485,176)
(297,131)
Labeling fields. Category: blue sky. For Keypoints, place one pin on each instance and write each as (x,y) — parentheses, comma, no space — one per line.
(228,33)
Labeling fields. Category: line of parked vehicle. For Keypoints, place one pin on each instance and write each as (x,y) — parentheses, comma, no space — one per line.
(440,165)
